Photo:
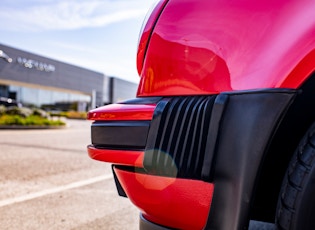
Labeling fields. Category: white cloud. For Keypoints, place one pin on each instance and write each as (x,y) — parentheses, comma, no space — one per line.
(70,14)
(110,50)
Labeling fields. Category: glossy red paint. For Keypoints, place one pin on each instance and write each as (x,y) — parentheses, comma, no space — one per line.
(121,157)
(122,112)
(300,73)
(147,31)
(207,47)
(176,203)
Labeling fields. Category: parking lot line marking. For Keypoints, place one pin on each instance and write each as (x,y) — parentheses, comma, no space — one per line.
(54,190)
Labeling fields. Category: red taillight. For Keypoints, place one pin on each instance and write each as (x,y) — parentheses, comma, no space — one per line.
(146,32)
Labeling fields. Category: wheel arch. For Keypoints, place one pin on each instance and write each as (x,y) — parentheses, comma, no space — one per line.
(294,125)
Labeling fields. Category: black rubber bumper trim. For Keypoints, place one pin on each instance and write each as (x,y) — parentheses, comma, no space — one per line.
(130,135)
(178,137)
(246,128)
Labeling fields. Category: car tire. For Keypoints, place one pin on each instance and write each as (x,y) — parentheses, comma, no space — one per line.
(296,204)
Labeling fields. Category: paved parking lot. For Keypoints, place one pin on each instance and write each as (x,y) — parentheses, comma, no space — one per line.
(47,181)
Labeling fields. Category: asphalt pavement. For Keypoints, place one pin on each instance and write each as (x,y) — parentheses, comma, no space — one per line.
(47,181)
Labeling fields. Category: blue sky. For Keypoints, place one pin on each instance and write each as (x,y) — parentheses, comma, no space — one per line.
(100,35)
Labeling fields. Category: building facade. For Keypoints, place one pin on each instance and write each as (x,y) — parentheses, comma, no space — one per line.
(39,81)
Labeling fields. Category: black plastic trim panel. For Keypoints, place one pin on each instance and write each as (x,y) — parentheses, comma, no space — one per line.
(129,135)
(247,126)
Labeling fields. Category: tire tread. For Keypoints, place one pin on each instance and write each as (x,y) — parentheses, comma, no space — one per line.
(295,180)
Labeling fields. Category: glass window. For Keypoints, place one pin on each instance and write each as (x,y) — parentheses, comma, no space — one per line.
(48,99)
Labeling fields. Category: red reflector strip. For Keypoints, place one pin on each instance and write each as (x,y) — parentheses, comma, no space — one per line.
(128,112)
(121,157)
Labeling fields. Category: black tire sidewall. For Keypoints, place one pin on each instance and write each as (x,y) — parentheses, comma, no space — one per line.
(301,213)
(304,217)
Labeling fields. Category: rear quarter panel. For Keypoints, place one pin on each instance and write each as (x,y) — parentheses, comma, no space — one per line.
(205,47)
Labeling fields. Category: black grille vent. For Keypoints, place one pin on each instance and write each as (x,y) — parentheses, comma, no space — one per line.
(177,137)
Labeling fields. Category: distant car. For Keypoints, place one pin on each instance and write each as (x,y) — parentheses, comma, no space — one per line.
(7,102)
(222,129)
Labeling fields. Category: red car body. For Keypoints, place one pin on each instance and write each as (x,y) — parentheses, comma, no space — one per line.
(225,94)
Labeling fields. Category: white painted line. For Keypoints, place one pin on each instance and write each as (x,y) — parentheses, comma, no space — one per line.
(54,190)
